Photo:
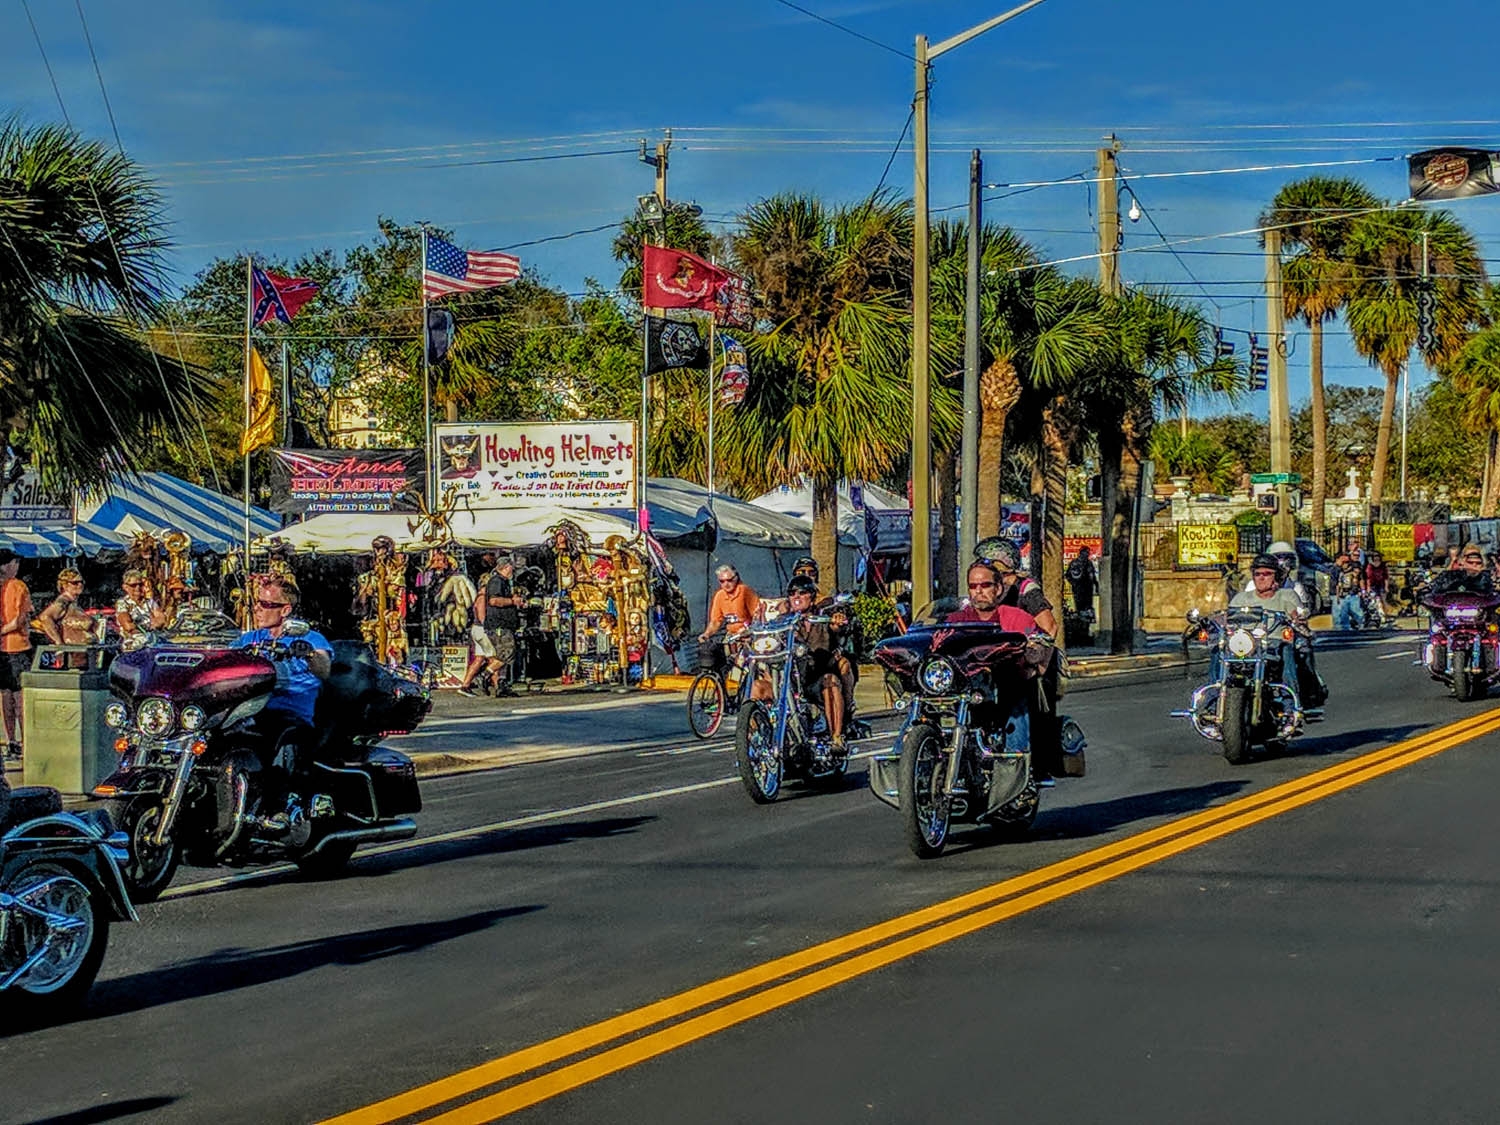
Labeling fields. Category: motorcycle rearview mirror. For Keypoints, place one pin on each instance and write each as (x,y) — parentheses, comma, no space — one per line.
(1194,613)
(295,627)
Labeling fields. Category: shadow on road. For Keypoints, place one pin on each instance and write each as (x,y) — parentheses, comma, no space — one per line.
(1080,821)
(110,1111)
(231,969)
(499,841)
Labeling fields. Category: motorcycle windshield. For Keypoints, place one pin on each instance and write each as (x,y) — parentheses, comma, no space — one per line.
(1461,600)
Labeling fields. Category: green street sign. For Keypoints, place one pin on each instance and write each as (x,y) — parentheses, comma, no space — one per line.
(1275,478)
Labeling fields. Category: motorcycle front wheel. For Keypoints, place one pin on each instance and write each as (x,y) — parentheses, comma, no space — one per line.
(925,811)
(705,704)
(1236,729)
(150,867)
(756,753)
(71,942)
(1467,685)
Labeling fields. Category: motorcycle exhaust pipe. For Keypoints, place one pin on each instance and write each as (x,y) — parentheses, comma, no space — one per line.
(403,829)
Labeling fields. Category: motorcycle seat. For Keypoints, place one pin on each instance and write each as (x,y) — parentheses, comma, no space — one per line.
(27,802)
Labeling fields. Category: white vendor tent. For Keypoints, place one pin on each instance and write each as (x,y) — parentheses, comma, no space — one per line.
(797,501)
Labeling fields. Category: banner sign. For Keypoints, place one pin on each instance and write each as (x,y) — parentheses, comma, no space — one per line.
(1395,541)
(1451,173)
(1071,544)
(537,464)
(27,502)
(309,481)
(1207,544)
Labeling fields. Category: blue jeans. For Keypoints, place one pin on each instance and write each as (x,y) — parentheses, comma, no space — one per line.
(1347,612)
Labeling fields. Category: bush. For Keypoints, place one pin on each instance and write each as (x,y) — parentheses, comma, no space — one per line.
(875,617)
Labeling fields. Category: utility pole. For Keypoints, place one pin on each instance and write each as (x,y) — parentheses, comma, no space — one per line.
(968,504)
(921,356)
(1109,218)
(1109,282)
(1283,526)
(658,229)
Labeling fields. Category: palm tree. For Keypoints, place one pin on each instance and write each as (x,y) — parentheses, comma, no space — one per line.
(1387,248)
(81,280)
(830,393)
(1475,374)
(1161,355)
(1315,216)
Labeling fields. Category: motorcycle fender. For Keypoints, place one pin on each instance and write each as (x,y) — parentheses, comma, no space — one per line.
(87,860)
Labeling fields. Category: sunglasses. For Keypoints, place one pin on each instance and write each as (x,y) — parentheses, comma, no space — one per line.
(272,605)
(1474,558)
(981,585)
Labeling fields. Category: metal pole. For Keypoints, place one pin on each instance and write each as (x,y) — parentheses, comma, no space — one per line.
(249,327)
(968,502)
(286,393)
(1406,373)
(921,363)
(427,442)
(709,475)
(1283,526)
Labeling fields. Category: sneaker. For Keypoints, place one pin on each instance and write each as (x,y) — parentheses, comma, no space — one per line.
(468,693)
(505,691)
(12,751)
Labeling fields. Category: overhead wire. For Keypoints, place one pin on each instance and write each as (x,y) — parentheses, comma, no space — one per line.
(847,30)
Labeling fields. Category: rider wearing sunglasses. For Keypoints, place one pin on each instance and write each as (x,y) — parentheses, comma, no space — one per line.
(286,721)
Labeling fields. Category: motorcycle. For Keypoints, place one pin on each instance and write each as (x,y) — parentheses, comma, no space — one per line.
(1248,704)
(787,737)
(60,888)
(963,753)
(192,783)
(1463,642)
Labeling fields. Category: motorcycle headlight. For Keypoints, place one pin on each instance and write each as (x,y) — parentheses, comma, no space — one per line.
(155,718)
(764,646)
(116,715)
(937,676)
(193,717)
(1241,643)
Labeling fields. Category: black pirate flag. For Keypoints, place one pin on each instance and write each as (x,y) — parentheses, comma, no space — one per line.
(673,343)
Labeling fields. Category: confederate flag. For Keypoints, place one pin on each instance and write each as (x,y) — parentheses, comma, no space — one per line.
(279,297)
(675,279)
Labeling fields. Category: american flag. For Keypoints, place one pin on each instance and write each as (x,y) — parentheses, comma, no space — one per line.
(451,270)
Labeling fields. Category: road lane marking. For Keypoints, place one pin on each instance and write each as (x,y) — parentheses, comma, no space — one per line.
(765,988)
(1392,655)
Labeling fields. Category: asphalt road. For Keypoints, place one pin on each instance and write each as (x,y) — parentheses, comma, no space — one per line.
(1177,938)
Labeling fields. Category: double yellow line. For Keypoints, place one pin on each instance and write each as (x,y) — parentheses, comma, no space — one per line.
(745,995)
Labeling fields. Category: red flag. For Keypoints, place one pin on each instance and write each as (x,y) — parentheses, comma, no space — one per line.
(279,297)
(675,279)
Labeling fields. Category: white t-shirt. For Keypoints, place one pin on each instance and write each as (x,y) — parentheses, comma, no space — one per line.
(1281,600)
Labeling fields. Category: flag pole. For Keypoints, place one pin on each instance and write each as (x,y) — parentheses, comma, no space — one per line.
(712,336)
(642,516)
(249,327)
(427,385)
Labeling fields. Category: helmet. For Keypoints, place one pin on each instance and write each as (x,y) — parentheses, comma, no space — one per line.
(1281,547)
(801,584)
(1002,553)
(1265,562)
(806,562)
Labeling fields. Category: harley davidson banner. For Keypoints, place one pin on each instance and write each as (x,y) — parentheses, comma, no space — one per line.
(537,464)
(1451,173)
(310,481)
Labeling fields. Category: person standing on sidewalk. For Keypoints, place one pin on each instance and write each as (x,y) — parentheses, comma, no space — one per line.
(1348,614)
(15,647)
(497,608)
(1084,581)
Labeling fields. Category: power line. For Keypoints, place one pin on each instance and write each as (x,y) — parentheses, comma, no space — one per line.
(847,30)
(910,115)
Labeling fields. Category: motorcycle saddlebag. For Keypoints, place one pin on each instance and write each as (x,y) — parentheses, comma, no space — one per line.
(395,781)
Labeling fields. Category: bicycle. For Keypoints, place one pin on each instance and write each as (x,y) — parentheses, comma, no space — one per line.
(709,698)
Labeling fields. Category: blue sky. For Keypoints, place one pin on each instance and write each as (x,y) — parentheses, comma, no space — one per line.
(278,130)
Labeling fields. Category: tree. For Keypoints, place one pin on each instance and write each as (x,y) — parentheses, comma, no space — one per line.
(1387,248)
(82,391)
(1474,376)
(830,393)
(1315,216)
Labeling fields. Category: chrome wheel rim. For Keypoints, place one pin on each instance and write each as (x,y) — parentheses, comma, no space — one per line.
(765,763)
(147,860)
(927,789)
(65,941)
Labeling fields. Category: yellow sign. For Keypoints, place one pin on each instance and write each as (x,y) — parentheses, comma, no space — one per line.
(1395,542)
(1207,544)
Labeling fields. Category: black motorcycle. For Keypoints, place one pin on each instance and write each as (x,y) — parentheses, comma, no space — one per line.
(60,888)
(964,750)
(196,781)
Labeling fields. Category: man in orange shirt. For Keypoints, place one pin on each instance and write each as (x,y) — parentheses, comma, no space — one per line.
(733,608)
(15,647)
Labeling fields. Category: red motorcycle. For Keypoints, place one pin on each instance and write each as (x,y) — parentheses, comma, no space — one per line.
(195,784)
(1463,641)
(964,751)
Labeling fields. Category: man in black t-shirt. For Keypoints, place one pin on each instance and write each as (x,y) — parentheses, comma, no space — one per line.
(497,610)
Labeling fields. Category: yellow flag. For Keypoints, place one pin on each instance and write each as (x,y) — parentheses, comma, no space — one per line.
(262,428)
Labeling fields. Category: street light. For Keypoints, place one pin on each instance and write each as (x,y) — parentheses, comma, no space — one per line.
(921,322)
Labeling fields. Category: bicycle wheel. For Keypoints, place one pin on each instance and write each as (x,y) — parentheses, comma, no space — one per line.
(705,704)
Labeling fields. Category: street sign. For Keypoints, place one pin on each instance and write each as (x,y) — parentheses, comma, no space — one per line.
(1275,478)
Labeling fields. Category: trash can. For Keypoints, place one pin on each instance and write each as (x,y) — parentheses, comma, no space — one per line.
(67,745)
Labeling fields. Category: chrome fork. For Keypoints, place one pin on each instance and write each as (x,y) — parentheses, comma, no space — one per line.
(173,800)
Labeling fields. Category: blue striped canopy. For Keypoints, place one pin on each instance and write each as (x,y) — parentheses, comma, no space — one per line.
(156,501)
(53,542)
